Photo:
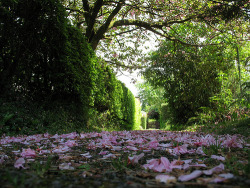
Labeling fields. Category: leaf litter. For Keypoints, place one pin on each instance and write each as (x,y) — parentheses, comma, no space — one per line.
(152,158)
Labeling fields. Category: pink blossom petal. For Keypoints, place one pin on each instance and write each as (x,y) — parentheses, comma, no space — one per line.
(19,163)
(151,164)
(56,136)
(134,159)
(28,153)
(61,149)
(175,164)
(132,148)
(217,180)
(227,176)
(199,150)
(218,168)
(66,166)
(44,152)
(180,150)
(233,142)
(71,143)
(191,176)
(116,148)
(109,156)
(221,158)
(161,165)
(187,161)
(153,144)
(159,168)
(103,152)
(86,155)
(165,178)
(165,162)
(70,135)
(186,166)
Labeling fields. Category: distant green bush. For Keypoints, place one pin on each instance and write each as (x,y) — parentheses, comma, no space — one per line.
(144,121)
(164,115)
(137,124)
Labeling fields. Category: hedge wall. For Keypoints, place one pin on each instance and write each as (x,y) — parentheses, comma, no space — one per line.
(164,115)
(47,63)
(115,99)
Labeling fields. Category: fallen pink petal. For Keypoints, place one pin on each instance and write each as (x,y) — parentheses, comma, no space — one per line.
(227,176)
(216,169)
(217,180)
(157,156)
(220,158)
(134,159)
(180,150)
(28,153)
(193,175)
(19,163)
(165,178)
(66,166)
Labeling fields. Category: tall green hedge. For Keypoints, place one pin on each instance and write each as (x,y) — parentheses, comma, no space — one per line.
(45,60)
(114,99)
(137,124)
(164,115)
(144,121)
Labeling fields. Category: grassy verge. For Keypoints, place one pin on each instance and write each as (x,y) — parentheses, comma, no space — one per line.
(228,127)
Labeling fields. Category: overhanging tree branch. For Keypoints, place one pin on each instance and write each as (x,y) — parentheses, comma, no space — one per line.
(153,28)
(91,21)
(104,28)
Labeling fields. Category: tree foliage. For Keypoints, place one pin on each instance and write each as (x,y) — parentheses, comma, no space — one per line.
(188,74)
(151,97)
(120,27)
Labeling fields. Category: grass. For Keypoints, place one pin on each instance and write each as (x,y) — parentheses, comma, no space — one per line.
(228,127)
(240,126)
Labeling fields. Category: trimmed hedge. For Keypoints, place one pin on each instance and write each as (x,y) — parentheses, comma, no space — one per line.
(144,121)
(47,67)
(115,99)
(137,124)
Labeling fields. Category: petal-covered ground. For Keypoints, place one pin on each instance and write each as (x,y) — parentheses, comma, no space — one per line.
(124,159)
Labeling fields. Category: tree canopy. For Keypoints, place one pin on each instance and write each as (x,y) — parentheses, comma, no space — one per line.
(118,26)
(191,75)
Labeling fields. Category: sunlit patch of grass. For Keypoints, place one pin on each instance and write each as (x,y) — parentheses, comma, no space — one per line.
(227,127)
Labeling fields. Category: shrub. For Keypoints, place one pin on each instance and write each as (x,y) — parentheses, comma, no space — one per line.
(144,121)
(137,124)
(112,97)
(152,114)
(164,115)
